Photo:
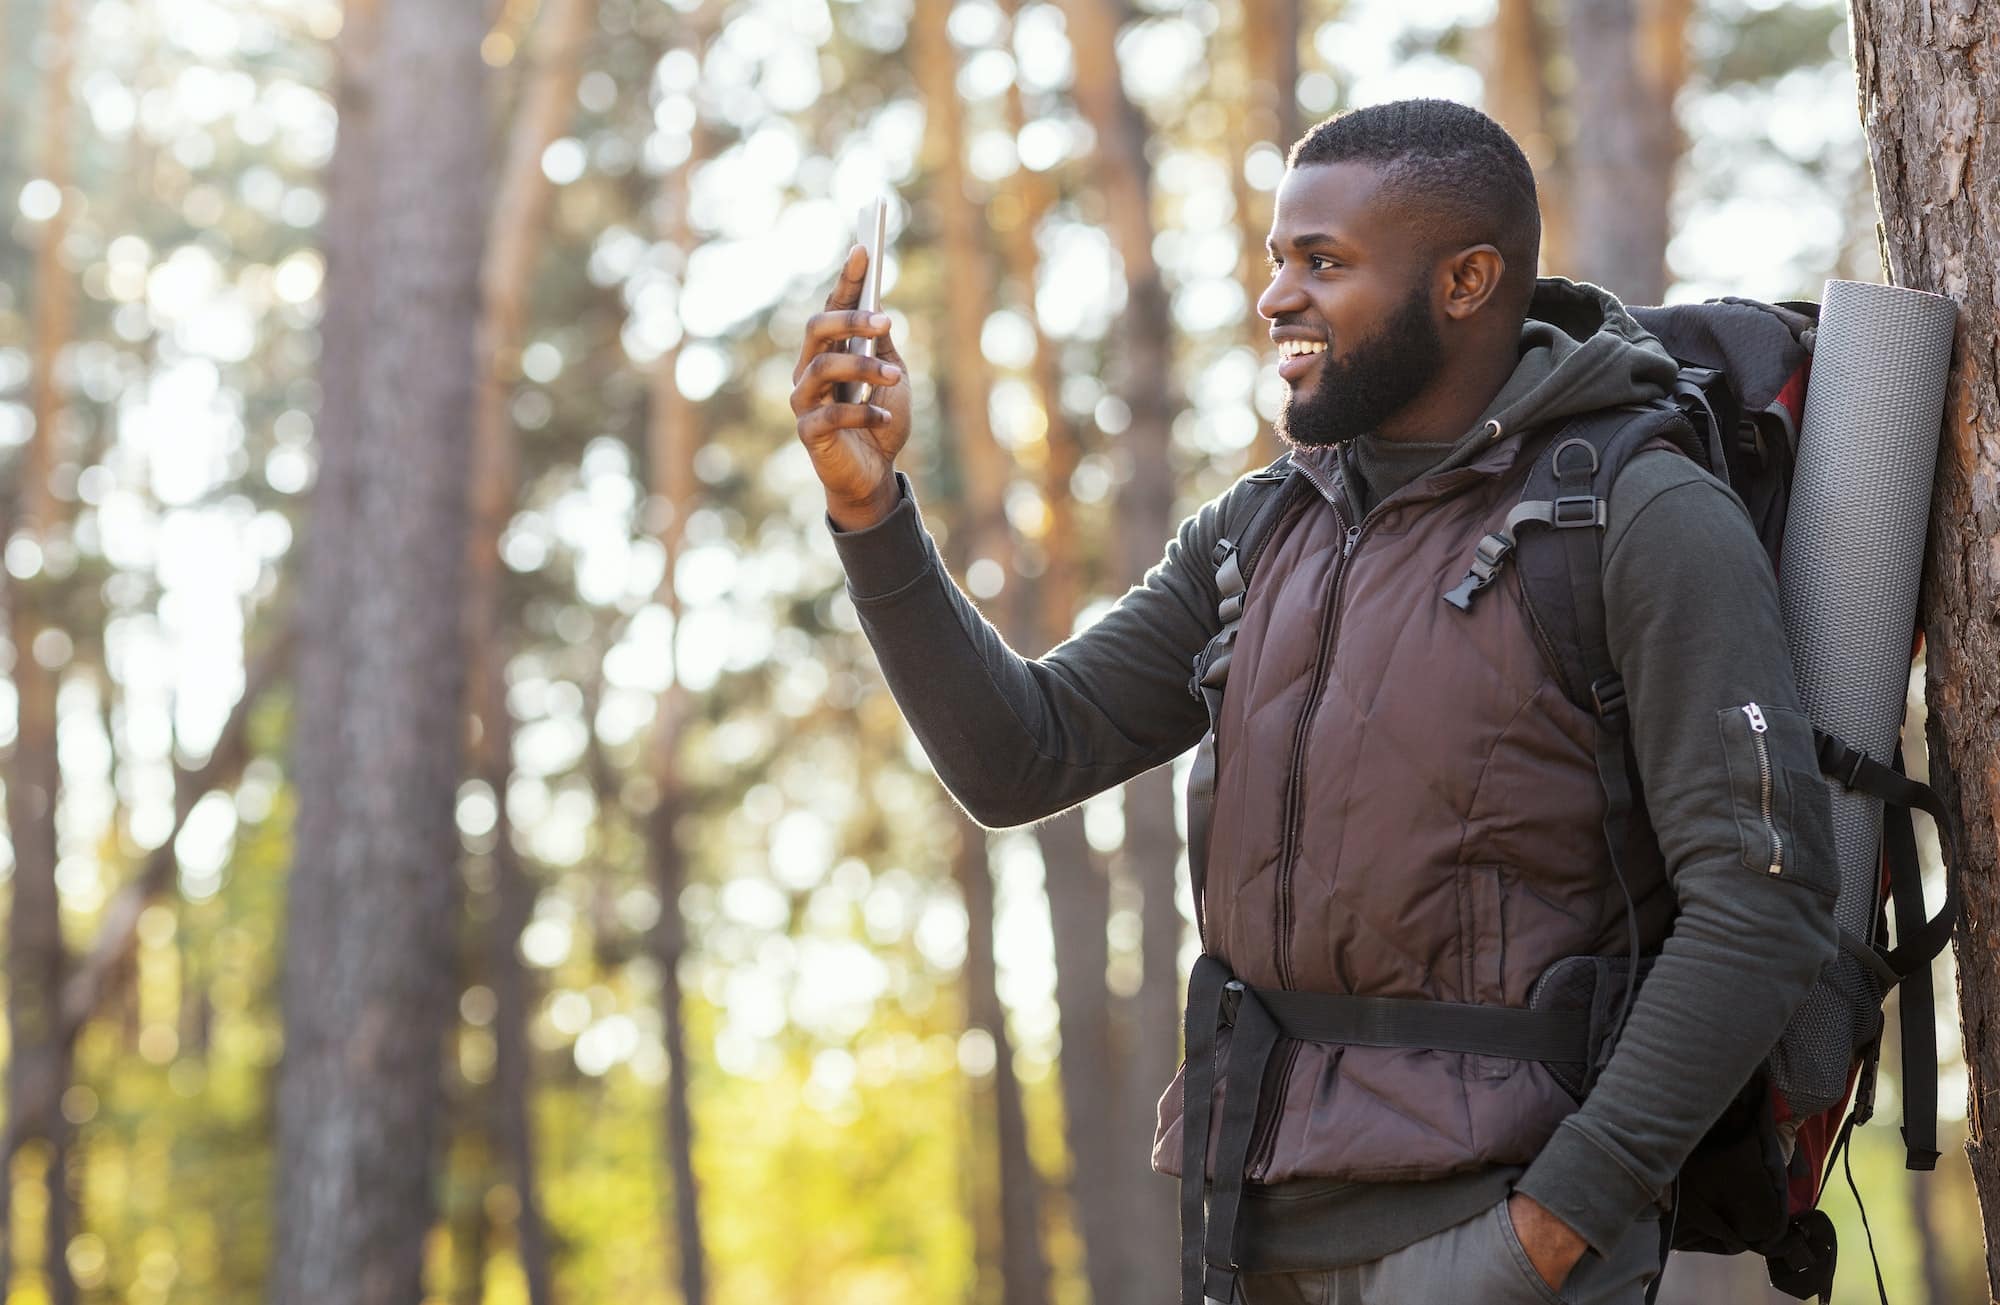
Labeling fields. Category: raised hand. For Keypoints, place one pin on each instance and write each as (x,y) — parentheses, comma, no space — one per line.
(853,445)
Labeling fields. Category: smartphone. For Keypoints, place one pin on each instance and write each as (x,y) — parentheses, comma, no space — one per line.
(873,233)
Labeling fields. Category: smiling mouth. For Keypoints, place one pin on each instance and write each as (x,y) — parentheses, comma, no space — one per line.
(1297,357)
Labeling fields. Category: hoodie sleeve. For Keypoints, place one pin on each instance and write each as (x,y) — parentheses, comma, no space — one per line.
(1692,615)
(1014,738)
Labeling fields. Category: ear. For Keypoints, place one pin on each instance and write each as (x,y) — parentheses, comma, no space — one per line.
(1471,278)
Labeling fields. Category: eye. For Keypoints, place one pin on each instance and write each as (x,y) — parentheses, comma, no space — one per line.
(1272,263)
(1324,263)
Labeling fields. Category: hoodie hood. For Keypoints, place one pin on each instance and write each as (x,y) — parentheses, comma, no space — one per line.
(1580,351)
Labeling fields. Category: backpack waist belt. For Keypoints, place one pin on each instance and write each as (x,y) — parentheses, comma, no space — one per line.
(1260,1016)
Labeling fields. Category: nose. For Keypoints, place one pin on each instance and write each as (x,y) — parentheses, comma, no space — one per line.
(1283,295)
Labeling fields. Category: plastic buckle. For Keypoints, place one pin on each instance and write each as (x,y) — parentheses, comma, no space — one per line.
(1608,696)
(1232,1001)
(1574,510)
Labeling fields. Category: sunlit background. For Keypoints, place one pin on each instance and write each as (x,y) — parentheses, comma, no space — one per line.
(165,169)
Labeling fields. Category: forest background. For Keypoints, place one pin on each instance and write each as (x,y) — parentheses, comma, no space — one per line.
(459,846)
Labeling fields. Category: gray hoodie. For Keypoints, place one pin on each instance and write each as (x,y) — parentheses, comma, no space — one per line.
(1693,622)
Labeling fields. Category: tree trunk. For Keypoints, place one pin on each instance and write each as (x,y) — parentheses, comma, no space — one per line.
(1073,876)
(1924,72)
(673,436)
(39,1061)
(985,469)
(1270,45)
(514,242)
(1145,522)
(1516,59)
(369,981)
(1023,1271)
(1627,145)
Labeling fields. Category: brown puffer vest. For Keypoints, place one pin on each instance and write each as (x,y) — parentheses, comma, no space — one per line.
(1406,805)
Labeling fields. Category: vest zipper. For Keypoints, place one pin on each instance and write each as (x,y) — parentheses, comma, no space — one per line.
(1294,789)
(1758,728)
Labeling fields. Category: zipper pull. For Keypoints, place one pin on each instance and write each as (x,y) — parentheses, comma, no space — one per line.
(1353,538)
(1756,715)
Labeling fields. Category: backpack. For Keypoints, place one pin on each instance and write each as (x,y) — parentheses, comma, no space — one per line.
(1755,1180)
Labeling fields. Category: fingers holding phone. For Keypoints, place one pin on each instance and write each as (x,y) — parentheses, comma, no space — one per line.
(851,393)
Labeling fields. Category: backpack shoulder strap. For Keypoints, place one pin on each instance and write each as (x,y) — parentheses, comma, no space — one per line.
(1562,573)
(1235,557)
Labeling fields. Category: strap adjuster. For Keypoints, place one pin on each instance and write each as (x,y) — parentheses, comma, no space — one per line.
(1608,696)
(1573,510)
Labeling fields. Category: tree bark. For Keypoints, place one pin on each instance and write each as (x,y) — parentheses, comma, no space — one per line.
(1924,72)
(514,243)
(369,981)
(39,1061)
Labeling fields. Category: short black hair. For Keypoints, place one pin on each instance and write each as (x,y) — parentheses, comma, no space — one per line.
(1461,178)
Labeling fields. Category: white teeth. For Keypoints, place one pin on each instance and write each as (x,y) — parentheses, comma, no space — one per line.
(1293,348)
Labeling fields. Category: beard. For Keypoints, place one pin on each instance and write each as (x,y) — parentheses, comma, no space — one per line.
(1370,383)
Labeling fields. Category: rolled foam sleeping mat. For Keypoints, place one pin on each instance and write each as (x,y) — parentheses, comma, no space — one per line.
(1852,559)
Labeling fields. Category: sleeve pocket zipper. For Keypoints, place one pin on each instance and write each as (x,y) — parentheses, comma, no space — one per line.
(1759,727)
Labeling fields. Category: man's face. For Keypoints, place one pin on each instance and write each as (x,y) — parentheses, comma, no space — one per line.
(1348,278)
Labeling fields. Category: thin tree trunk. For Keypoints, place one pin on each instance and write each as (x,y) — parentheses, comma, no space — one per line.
(1627,147)
(39,1060)
(1145,522)
(1924,74)
(514,242)
(369,976)
(1078,892)
(673,436)
(984,535)
(1270,45)
(1024,1274)
(1516,58)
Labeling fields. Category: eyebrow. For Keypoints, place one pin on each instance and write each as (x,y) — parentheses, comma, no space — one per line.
(1311,240)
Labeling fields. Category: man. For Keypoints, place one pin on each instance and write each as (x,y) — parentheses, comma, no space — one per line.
(1406,803)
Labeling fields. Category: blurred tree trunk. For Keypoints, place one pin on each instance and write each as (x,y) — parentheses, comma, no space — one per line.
(1145,522)
(1079,894)
(1270,46)
(1925,74)
(39,1060)
(369,983)
(983,536)
(673,436)
(1630,58)
(1516,66)
(515,238)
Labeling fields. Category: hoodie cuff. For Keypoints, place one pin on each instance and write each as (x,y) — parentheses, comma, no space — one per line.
(887,556)
(1586,1187)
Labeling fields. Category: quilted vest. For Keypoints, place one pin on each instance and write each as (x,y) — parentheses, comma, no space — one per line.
(1406,805)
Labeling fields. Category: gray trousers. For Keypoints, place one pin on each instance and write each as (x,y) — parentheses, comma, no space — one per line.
(1479,1261)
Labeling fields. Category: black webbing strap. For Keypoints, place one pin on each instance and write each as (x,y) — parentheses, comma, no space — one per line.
(1234,559)
(1584,552)
(1259,1017)
(1856,770)
(1915,1002)
(1208,1257)
(1204,1018)
(1560,1035)
(1918,939)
